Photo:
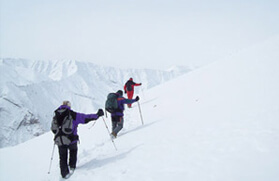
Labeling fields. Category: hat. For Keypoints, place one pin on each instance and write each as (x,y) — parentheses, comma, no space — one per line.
(120,92)
(131,79)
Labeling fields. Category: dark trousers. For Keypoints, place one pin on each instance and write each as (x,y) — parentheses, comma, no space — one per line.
(63,155)
(117,123)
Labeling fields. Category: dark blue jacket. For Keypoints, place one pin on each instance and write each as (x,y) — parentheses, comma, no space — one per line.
(121,101)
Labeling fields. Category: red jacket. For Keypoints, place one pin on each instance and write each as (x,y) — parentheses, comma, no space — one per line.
(129,86)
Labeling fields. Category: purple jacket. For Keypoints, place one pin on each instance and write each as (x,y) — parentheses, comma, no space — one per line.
(121,101)
(79,118)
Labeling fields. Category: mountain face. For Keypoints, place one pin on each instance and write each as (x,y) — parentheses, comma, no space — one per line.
(31,90)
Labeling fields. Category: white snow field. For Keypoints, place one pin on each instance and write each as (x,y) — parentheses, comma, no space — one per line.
(217,123)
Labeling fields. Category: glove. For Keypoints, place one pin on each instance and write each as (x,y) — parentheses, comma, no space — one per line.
(137,98)
(125,92)
(100,112)
(140,83)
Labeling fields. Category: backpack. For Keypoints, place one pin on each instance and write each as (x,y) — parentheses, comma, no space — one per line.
(62,127)
(111,103)
(129,86)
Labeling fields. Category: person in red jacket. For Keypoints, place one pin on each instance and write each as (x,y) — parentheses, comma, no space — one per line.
(129,89)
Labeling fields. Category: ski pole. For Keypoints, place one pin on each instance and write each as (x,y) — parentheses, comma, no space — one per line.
(140,113)
(109,134)
(51,158)
(92,125)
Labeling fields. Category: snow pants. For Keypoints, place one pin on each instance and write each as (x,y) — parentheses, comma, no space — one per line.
(130,95)
(63,156)
(117,123)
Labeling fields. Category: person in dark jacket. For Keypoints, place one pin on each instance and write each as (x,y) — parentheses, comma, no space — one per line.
(129,89)
(117,117)
(78,118)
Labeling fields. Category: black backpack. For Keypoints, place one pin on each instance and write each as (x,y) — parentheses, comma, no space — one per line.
(111,103)
(62,127)
(129,86)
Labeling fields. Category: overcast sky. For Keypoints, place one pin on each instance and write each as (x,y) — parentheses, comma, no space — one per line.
(134,33)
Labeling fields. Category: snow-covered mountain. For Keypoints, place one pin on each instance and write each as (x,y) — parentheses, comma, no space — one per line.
(217,123)
(31,90)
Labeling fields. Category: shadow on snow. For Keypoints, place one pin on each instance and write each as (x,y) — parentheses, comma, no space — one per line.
(95,163)
(137,128)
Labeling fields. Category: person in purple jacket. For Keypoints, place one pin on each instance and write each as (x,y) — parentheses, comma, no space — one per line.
(72,148)
(117,117)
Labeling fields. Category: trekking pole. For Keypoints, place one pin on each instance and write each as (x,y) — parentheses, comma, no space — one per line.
(51,158)
(140,113)
(109,134)
(92,125)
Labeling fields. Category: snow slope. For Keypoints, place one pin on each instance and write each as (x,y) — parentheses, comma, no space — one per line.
(216,123)
(30,90)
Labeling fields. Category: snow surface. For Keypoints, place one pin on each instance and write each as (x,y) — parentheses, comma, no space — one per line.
(30,90)
(217,123)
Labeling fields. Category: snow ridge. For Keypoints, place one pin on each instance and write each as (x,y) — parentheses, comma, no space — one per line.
(31,90)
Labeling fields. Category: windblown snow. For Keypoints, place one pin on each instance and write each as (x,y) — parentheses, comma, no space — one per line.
(217,123)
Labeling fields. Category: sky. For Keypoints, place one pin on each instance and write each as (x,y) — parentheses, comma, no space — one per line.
(134,34)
